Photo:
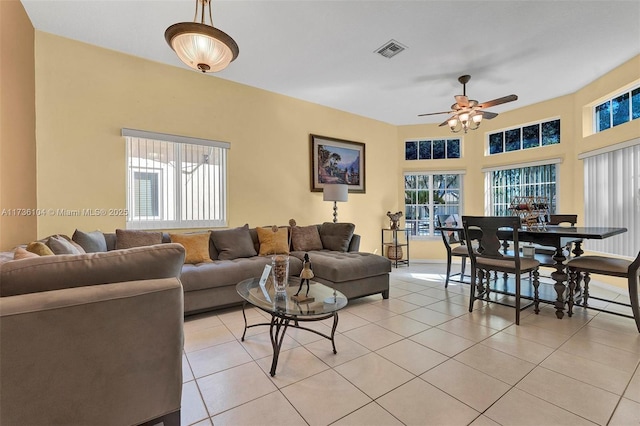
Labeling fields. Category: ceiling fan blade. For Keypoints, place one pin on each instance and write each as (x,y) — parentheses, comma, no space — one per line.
(462,100)
(489,115)
(498,101)
(435,113)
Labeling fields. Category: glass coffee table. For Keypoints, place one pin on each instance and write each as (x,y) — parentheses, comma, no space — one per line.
(286,312)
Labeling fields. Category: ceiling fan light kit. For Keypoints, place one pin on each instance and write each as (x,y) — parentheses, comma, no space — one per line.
(202,46)
(469,113)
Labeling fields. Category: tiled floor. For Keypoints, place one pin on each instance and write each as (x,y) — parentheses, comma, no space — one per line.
(418,358)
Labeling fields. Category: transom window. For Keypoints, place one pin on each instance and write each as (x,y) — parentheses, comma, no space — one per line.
(533,181)
(525,137)
(430,194)
(175,182)
(617,110)
(429,149)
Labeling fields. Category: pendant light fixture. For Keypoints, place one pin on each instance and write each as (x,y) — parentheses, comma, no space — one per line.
(199,45)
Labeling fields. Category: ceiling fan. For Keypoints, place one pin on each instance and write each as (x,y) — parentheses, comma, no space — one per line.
(468,113)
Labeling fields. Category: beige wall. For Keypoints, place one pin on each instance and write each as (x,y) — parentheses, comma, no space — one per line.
(17,126)
(87,94)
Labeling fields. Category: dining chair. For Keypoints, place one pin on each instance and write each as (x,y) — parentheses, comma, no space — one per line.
(580,270)
(483,231)
(547,253)
(455,245)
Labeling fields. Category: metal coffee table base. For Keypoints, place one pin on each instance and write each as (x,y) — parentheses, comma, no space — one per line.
(278,327)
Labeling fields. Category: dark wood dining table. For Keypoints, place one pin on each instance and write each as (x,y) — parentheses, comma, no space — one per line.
(557,237)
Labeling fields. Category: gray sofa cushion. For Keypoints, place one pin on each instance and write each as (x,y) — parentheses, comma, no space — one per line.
(234,243)
(128,238)
(339,267)
(65,271)
(60,245)
(91,242)
(336,236)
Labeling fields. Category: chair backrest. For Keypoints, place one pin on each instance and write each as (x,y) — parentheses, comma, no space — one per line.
(485,230)
(450,237)
(558,219)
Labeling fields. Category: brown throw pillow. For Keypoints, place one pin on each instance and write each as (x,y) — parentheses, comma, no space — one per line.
(336,236)
(196,246)
(233,243)
(21,253)
(39,248)
(273,242)
(305,238)
(128,238)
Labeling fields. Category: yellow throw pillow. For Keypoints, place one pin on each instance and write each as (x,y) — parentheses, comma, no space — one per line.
(273,242)
(39,248)
(196,246)
(21,253)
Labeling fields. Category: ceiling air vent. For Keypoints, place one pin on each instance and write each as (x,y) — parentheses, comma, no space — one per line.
(390,49)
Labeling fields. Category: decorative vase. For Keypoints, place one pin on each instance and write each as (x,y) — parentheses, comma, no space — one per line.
(394,252)
(280,273)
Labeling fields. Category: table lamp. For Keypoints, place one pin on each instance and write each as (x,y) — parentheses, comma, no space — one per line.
(335,192)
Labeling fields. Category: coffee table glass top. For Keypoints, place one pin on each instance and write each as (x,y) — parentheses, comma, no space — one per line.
(326,301)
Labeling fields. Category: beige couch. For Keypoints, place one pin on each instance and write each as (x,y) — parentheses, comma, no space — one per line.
(92,339)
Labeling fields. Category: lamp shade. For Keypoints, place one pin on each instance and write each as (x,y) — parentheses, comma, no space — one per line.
(201,46)
(335,192)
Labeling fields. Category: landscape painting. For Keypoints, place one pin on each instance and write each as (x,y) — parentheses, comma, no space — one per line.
(337,161)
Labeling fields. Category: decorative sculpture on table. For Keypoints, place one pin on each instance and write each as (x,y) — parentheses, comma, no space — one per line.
(395,218)
(305,275)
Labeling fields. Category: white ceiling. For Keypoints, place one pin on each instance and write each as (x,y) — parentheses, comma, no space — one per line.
(323,51)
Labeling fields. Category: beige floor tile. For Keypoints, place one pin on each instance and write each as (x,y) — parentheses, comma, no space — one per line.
(233,316)
(373,336)
(607,355)
(589,402)
(537,334)
(491,315)
(346,321)
(548,320)
(233,387)
(369,415)
(200,321)
(449,308)
(412,356)
(408,286)
(403,326)
(205,337)
(484,421)
(187,374)
(428,316)
(633,390)
(614,323)
(192,407)
(217,358)
(627,413)
(419,403)
(625,341)
(293,365)
(419,299)
(523,349)
(371,312)
(396,293)
(259,345)
(373,374)
(515,408)
(496,364)
(442,341)
(437,293)
(396,306)
(271,409)
(588,371)
(304,336)
(325,398)
(205,422)
(474,388)
(347,350)
(468,330)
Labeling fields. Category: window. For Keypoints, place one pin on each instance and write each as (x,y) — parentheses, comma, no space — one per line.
(174,181)
(432,149)
(612,197)
(427,195)
(617,110)
(529,136)
(534,180)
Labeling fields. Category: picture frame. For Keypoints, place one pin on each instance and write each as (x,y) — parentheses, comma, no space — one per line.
(337,161)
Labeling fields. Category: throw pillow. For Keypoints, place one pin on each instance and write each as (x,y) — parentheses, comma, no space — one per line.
(196,246)
(336,236)
(273,240)
(305,238)
(21,253)
(233,243)
(39,248)
(60,245)
(128,238)
(91,242)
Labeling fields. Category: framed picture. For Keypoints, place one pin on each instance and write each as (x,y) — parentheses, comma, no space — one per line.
(337,161)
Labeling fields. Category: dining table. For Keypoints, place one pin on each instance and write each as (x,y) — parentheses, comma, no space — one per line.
(557,237)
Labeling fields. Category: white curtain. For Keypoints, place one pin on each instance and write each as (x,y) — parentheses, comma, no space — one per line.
(612,197)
